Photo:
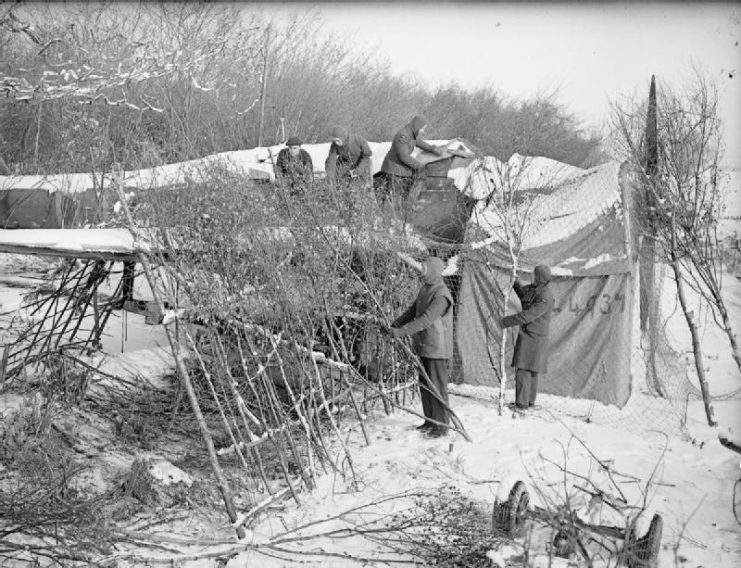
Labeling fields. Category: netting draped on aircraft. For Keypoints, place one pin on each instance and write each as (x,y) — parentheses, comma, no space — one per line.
(611,360)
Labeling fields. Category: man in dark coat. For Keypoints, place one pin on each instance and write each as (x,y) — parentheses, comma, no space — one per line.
(531,350)
(400,170)
(429,320)
(349,157)
(294,165)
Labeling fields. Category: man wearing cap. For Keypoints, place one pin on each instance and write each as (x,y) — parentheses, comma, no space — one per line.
(429,320)
(294,165)
(531,350)
(400,169)
(349,157)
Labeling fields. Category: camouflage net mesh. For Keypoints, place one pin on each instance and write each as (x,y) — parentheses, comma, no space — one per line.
(614,359)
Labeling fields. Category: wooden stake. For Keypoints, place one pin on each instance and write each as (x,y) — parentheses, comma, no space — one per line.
(3,366)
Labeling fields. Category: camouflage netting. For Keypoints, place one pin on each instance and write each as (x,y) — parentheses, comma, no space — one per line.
(610,361)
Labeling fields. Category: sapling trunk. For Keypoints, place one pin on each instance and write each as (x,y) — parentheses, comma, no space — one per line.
(696,346)
(714,296)
(502,352)
(503,343)
(730,333)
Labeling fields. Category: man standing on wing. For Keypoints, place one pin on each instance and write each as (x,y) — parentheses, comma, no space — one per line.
(430,321)
(400,170)
(531,350)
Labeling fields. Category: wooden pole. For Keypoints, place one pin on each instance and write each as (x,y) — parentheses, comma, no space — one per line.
(178,353)
(647,267)
(3,365)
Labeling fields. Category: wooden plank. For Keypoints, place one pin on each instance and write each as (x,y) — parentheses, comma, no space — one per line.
(45,251)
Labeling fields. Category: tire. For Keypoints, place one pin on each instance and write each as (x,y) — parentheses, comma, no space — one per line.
(737,500)
(643,552)
(510,515)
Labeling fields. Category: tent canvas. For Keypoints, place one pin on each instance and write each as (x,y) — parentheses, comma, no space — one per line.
(578,226)
(39,208)
(33,209)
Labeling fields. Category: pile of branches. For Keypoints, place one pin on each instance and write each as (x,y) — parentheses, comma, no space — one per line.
(277,300)
(43,514)
(53,522)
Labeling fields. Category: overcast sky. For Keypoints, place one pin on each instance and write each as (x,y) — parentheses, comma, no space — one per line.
(592,53)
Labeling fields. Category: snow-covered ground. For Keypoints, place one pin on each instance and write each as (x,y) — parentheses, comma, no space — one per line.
(691,487)
(689,476)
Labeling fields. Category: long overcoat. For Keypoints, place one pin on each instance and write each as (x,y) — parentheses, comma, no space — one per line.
(531,349)
(399,160)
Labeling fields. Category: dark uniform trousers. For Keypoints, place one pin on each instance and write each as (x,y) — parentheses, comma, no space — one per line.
(526,387)
(389,187)
(438,371)
(396,194)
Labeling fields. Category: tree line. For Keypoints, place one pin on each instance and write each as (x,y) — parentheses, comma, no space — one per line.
(145,84)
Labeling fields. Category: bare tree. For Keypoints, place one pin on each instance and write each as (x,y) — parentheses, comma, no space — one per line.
(681,199)
(144,84)
(179,81)
(508,223)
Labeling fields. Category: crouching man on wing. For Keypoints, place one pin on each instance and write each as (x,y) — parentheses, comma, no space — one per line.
(348,158)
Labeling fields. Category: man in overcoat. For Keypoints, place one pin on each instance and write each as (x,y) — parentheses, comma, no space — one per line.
(531,350)
(429,320)
(348,158)
(399,169)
